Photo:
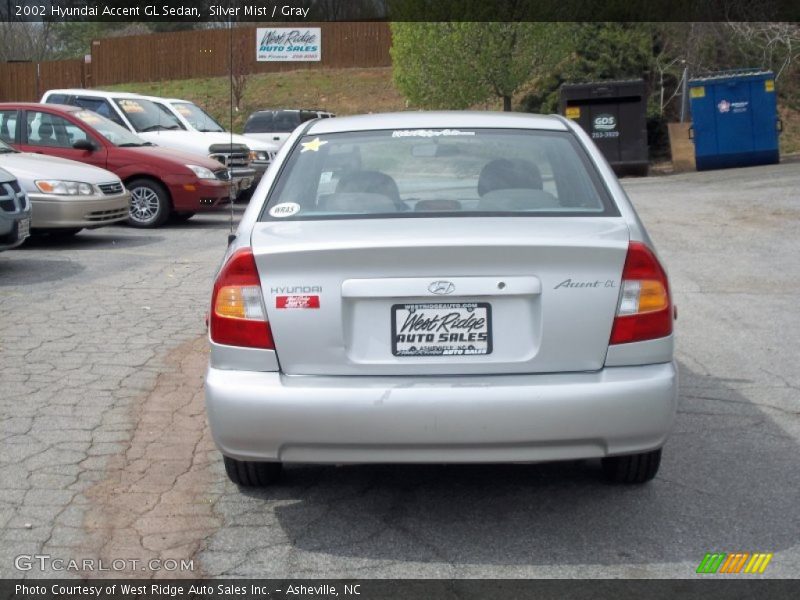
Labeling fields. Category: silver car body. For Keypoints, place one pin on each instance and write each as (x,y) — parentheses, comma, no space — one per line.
(333,392)
(15,212)
(108,203)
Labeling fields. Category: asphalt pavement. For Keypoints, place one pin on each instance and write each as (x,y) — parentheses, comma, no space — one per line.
(105,452)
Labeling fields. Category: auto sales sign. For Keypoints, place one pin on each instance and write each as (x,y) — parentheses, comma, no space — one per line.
(289,44)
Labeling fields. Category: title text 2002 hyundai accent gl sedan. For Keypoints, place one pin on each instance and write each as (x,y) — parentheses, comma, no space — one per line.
(440,287)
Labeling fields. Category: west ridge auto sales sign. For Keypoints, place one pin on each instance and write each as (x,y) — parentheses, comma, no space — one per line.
(288,44)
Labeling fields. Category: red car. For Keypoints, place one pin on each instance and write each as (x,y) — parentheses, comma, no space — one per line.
(162,181)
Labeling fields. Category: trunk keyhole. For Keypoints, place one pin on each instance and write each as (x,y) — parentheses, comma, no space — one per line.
(501,285)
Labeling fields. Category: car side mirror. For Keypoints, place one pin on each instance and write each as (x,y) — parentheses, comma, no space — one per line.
(84,144)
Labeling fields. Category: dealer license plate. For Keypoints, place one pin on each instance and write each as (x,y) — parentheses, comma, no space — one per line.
(442,329)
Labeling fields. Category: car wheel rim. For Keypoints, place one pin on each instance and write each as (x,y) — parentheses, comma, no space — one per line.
(144,204)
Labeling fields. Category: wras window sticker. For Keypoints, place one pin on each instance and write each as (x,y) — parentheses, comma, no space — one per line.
(430,133)
(284,209)
(314,145)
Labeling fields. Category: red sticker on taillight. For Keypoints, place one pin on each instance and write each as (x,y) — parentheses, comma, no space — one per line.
(297,302)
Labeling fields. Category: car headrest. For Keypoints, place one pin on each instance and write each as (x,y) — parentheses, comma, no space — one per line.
(504,174)
(45,130)
(370,182)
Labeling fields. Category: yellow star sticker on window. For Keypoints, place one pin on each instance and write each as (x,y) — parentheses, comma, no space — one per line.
(313,145)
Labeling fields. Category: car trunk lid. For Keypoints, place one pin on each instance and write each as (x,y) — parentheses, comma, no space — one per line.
(509,295)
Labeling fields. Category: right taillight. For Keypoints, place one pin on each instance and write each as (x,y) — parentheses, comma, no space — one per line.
(237,315)
(644,311)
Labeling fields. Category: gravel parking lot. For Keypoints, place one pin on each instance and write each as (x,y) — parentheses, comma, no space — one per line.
(106,453)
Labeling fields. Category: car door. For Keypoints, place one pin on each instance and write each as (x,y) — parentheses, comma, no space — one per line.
(47,133)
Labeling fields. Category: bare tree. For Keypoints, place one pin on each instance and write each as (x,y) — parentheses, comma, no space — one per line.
(779,43)
(29,41)
(242,50)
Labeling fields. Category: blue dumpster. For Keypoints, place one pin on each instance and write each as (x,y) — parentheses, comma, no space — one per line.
(734,119)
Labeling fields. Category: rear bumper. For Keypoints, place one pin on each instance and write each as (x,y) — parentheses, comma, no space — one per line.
(94,211)
(505,418)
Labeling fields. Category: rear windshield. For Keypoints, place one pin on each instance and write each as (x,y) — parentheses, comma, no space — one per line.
(426,172)
(277,121)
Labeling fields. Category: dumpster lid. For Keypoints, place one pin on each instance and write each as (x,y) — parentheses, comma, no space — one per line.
(602,89)
(722,76)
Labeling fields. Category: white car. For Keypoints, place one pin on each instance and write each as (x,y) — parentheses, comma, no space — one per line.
(435,288)
(194,118)
(157,124)
(66,196)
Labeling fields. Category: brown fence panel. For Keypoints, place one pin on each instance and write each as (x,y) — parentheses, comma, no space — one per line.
(206,53)
(19,81)
(61,74)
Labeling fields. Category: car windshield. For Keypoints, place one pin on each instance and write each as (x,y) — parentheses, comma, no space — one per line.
(116,134)
(197,117)
(5,148)
(275,121)
(146,115)
(423,172)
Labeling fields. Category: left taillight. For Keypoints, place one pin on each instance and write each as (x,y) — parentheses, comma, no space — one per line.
(238,317)
(644,311)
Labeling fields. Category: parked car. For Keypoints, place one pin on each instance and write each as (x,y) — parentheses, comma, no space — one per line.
(156,123)
(162,181)
(195,119)
(15,212)
(66,196)
(441,287)
(276,125)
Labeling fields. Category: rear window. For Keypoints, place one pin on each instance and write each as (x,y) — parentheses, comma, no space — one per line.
(275,121)
(424,173)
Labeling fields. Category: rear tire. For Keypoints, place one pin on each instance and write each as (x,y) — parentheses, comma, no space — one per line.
(252,474)
(150,204)
(633,468)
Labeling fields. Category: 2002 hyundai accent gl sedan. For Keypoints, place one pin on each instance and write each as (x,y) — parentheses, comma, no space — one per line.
(440,287)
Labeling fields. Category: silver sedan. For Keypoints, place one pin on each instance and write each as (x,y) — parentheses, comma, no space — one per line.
(66,196)
(440,287)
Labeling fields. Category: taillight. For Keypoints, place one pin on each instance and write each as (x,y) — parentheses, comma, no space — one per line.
(237,307)
(644,311)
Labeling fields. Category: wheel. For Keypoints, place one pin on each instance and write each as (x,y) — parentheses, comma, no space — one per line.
(150,206)
(181,217)
(633,468)
(252,474)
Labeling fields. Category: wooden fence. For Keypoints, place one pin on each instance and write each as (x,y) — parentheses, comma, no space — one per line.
(27,81)
(206,53)
(191,54)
